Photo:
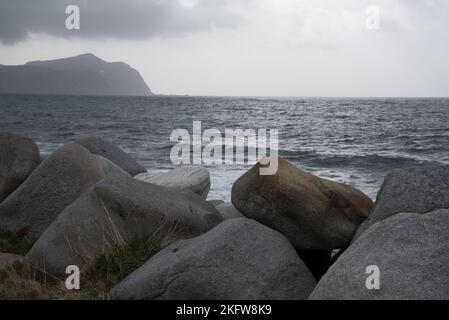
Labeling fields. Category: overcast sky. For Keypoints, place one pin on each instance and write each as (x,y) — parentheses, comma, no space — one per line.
(246,47)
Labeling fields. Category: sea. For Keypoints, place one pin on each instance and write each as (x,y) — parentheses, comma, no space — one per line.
(356,141)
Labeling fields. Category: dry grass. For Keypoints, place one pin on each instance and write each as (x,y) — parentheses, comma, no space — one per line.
(109,269)
(18,283)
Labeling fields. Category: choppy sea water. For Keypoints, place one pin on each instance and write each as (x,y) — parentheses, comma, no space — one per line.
(355,141)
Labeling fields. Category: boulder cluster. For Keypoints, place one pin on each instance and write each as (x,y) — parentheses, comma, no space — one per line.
(290,235)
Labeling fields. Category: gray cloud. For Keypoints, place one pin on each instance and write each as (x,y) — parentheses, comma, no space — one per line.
(124,19)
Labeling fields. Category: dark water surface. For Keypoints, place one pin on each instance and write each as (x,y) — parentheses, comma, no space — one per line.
(356,141)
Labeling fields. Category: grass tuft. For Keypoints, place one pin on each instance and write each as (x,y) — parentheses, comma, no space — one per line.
(11,243)
(111,268)
(97,279)
(16,284)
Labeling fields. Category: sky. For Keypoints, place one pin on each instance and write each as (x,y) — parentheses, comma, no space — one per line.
(323,48)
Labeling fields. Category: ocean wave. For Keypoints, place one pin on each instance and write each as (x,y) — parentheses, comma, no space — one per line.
(368,161)
(356,141)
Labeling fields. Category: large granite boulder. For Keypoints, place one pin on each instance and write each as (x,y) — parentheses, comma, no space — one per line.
(53,185)
(19,156)
(411,252)
(102,147)
(193,178)
(114,210)
(313,213)
(418,190)
(239,259)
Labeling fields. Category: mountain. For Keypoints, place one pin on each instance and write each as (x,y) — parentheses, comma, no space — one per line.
(85,74)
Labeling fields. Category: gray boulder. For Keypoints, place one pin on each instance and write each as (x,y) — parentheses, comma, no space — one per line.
(102,147)
(112,211)
(418,190)
(7,259)
(53,185)
(411,252)
(238,259)
(193,178)
(228,211)
(313,213)
(19,156)
(215,202)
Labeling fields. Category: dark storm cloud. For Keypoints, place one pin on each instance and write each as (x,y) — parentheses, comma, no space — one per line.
(125,19)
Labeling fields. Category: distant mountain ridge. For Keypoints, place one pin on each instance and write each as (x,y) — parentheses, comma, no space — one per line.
(85,74)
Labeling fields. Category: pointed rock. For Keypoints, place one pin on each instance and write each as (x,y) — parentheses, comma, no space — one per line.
(419,190)
(102,147)
(53,185)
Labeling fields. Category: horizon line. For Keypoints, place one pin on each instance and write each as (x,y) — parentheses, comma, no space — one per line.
(230,96)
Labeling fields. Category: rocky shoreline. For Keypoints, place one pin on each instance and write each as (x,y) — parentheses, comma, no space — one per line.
(289,236)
